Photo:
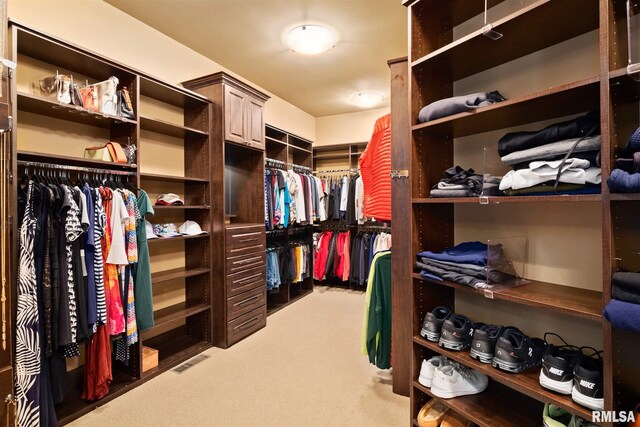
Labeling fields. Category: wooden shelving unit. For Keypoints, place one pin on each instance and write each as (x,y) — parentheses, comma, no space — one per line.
(336,156)
(436,64)
(289,148)
(185,325)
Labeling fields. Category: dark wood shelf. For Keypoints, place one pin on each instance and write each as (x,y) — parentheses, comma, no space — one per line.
(461,10)
(169,94)
(300,149)
(496,200)
(567,300)
(624,197)
(45,107)
(162,208)
(174,347)
(330,156)
(527,382)
(73,406)
(176,312)
(160,177)
(177,273)
(168,128)
(277,141)
(177,238)
(522,35)
(558,101)
(72,161)
(495,407)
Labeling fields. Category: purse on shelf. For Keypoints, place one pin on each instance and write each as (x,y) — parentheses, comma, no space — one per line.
(89,96)
(76,97)
(125,105)
(110,152)
(108,96)
(64,89)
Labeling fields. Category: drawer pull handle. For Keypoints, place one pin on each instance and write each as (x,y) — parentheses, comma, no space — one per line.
(247,323)
(241,303)
(253,239)
(248,247)
(244,261)
(246,279)
(255,233)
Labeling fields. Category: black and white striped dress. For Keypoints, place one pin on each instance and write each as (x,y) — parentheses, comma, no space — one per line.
(28,351)
(100,219)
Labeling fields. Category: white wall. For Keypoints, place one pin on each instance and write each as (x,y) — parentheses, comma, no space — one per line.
(347,128)
(100,27)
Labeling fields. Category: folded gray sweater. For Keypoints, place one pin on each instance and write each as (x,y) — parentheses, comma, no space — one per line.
(458,104)
(553,149)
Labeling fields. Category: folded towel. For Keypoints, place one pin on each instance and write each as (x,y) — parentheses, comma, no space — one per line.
(626,287)
(458,104)
(623,182)
(623,315)
(436,192)
(554,149)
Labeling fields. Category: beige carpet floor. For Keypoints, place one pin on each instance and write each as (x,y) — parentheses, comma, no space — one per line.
(303,369)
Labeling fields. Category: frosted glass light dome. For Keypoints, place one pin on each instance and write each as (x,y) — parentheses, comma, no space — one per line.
(310,39)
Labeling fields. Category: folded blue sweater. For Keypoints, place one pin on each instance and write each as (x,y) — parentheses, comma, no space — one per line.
(623,182)
(467,252)
(623,315)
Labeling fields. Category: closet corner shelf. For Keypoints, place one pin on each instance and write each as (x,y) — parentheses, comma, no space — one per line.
(45,107)
(177,273)
(185,207)
(176,312)
(488,409)
(161,177)
(33,156)
(568,300)
(168,128)
(527,382)
(563,100)
(177,238)
(475,52)
(496,200)
(624,197)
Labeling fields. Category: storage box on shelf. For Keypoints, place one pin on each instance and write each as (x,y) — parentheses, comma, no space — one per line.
(237,142)
(438,67)
(183,326)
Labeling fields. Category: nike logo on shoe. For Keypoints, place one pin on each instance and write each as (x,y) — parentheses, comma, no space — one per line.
(556,371)
(587,384)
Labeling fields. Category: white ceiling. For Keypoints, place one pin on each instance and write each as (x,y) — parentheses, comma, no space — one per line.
(246,36)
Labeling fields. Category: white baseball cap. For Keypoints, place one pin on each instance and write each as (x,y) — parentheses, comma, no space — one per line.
(191,228)
(169,199)
(150,233)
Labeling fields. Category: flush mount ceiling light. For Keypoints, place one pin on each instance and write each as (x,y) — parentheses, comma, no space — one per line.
(310,39)
(367,99)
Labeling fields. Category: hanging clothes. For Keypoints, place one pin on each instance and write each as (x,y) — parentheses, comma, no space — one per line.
(378,318)
(375,167)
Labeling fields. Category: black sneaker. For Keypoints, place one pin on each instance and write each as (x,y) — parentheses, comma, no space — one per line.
(588,381)
(516,352)
(433,321)
(484,341)
(457,332)
(558,363)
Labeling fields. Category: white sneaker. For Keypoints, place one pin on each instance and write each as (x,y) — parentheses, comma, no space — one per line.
(429,367)
(457,380)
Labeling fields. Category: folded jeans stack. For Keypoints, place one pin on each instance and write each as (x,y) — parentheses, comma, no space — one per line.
(561,158)
(626,177)
(458,104)
(474,264)
(623,311)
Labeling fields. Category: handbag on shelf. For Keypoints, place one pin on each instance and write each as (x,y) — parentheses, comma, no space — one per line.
(108,96)
(98,153)
(76,97)
(125,105)
(89,96)
(110,152)
(64,89)
(48,86)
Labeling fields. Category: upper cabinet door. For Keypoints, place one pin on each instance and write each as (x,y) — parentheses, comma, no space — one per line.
(255,113)
(235,125)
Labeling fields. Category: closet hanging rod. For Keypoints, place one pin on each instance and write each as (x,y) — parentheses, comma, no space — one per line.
(352,170)
(73,168)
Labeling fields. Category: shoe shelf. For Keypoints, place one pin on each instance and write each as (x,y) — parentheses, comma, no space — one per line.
(168,128)
(177,238)
(568,300)
(177,273)
(176,312)
(496,200)
(563,100)
(526,383)
(475,52)
(495,407)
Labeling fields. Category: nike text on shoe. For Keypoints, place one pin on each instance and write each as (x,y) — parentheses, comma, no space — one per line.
(457,380)
(484,341)
(429,368)
(587,382)
(433,323)
(516,352)
(457,332)
(558,363)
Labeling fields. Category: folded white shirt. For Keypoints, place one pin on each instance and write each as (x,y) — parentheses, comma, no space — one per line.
(525,178)
(545,167)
